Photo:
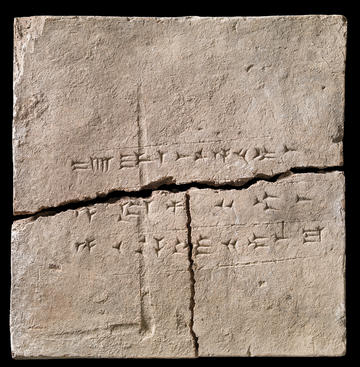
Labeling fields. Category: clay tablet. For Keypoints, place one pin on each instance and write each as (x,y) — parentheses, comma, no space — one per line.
(105,104)
(110,280)
(269,267)
(178,187)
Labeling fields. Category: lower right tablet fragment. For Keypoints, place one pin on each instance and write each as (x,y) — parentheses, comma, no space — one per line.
(269,267)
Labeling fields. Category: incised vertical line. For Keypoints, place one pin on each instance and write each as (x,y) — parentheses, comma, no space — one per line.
(192,275)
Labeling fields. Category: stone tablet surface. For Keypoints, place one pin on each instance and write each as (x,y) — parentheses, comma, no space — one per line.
(178,187)
(109,280)
(269,268)
(104,104)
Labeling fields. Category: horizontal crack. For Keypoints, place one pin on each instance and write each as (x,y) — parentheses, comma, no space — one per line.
(164,184)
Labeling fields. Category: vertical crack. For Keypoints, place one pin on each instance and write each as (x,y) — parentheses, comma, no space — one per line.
(147,325)
(192,275)
(139,117)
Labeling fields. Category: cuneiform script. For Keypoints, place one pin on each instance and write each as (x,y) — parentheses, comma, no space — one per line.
(178,187)
(104,268)
(268,244)
(236,104)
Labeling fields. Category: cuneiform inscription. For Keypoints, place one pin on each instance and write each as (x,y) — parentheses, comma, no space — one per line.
(192,156)
(155,244)
(159,245)
(263,239)
(118,246)
(202,246)
(129,210)
(100,164)
(266,200)
(224,204)
(88,244)
(198,154)
(281,235)
(257,241)
(259,153)
(312,235)
(254,241)
(221,154)
(180,247)
(132,209)
(96,164)
(89,212)
(300,198)
(132,159)
(173,205)
(230,244)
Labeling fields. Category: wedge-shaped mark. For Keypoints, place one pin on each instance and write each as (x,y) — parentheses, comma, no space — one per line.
(89,243)
(100,164)
(180,247)
(312,235)
(174,204)
(117,246)
(266,200)
(231,245)
(159,245)
(280,236)
(224,204)
(300,198)
(202,246)
(89,212)
(257,241)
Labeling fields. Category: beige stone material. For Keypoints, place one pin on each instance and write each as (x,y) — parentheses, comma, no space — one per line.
(104,103)
(108,280)
(269,268)
(115,279)
(250,261)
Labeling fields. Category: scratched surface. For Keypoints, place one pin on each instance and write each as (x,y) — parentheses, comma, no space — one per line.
(97,277)
(105,104)
(269,267)
(105,107)
(264,274)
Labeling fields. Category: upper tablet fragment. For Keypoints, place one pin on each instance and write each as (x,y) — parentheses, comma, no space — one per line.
(105,103)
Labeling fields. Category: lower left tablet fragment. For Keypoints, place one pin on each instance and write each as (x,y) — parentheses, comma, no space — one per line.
(110,280)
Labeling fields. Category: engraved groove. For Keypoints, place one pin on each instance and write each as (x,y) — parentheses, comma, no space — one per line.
(147,190)
(192,275)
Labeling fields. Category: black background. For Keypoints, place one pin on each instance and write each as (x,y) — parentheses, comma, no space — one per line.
(220,8)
